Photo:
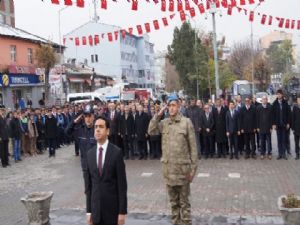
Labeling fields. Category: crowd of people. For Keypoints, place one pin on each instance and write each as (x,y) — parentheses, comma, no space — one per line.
(223,129)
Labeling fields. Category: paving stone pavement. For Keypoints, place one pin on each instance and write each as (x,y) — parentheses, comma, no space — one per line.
(222,188)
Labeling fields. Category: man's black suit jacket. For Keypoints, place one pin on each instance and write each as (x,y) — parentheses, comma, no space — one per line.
(106,195)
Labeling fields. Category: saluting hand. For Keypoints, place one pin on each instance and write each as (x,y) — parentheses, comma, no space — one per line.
(161,112)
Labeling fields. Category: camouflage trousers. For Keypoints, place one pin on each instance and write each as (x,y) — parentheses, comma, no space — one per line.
(180,204)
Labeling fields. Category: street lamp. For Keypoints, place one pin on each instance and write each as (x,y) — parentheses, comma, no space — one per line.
(252,50)
(213,11)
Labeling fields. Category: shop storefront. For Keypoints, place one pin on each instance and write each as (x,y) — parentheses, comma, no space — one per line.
(14,87)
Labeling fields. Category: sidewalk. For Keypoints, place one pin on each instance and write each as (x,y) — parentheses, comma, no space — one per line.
(77,217)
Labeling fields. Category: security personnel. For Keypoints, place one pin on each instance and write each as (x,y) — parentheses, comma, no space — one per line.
(179,158)
(83,126)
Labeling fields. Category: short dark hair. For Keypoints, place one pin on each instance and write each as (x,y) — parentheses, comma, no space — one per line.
(102,118)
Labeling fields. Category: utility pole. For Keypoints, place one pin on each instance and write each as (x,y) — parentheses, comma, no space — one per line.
(96,17)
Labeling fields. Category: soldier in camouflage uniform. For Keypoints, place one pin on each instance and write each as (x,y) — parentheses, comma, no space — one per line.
(179,158)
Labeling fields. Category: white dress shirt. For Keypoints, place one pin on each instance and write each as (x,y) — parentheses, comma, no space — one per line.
(104,146)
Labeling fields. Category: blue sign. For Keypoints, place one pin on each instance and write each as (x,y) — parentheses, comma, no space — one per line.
(7,80)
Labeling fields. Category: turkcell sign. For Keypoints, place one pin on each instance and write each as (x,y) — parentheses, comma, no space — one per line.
(12,80)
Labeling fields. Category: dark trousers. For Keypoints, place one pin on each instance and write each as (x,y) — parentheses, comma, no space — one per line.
(257,141)
(233,145)
(221,149)
(288,142)
(201,143)
(209,148)
(297,138)
(76,147)
(4,152)
(127,146)
(241,143)
(102,223)
(265,141)
(52,146)
(281,139)
(142,146)
(113,138)
(155,146)
(249,141)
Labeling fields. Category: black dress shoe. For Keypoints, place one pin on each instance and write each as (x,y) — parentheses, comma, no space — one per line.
(284,157)
(237,157)
(279,157)
(231,157)
(297,157)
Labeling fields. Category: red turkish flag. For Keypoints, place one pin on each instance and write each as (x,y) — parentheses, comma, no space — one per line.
(251,2)
(55,2)
(155,1)
(139,29)
(187,5)
(201,8)
(263,19)
(270,20)
(182,16)
(77,42)
(298,25)
(171,5)
(242,2)
(165,21)
(103,4)
(110,37)
(134,5)
(116,35)
(91,41)
(224,3)
(207,4)
(83,40)
(163,5)
(123,33)
(147,27)
(233,3)
(293,24)
(172,16)
(192,12)
(96,39)
(251,16)
(287,24)
(281,22)
(196,2)
(229,10)
(156,24)
(80,3)
(68,2)
(217,2)
(179,5)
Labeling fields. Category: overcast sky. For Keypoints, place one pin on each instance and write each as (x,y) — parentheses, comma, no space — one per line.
(41,18)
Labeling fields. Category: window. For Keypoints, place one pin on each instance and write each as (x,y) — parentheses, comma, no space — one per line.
(29,56)
(92,58)
(96,58)
(13,53)
(2,19)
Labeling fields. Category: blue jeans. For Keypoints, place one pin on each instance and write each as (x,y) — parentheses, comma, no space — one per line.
(281,139)
(265,141)
(17,149)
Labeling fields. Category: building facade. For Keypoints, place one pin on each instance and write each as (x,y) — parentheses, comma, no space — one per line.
(160,70)
(129,59)
(7,12)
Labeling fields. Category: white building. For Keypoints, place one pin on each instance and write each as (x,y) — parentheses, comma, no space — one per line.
(160,69)
(130,58)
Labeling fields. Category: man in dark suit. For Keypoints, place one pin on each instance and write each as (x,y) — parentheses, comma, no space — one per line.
(248,127)
(106,190)
(113,123)
(281,122)
(207,125)
(141,128)
(296,126)
(126,132)
(4,137)
(232,130)
(220,128)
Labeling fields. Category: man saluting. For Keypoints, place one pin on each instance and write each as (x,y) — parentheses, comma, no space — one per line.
(106,190)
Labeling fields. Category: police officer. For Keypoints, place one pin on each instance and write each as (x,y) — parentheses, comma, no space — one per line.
(83,126)
(179,158)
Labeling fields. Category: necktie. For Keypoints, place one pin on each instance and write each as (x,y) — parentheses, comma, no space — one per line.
(100,160)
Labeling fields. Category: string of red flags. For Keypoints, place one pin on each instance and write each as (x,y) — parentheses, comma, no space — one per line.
(121,33)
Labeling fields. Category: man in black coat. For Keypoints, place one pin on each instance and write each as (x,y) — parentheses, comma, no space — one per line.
(207,126)
(296,126)
(248,127)
(264,126)
(51,132)
(220,128)
(113,123)
(141,128)
(126,132)
(232,130)
(4,137)
(281,122)
(16,134)
(106,190)
(194,113)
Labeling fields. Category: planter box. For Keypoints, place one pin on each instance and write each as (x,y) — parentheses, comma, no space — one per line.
(291,216)
(37,205)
